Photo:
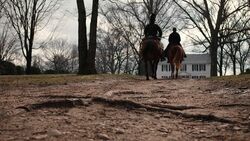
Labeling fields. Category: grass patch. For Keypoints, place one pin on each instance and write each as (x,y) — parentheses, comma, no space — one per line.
(234,80)
(59,79)
(63,79)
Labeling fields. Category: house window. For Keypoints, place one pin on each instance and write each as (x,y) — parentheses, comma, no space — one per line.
(199,67)
(184,76)
(184,67)
(195,77)
(195,67)
(165,68)
(202,67)
(165,77)
(202,77)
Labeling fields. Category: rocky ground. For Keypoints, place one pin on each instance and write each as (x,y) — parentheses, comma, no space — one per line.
(124,108)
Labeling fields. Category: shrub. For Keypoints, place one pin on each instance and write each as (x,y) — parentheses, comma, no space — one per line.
(50,72)
(20,70)
(247,71)
(35,70)
(7,68)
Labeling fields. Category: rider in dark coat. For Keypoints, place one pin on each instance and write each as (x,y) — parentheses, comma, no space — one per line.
(152,29)
(174,39)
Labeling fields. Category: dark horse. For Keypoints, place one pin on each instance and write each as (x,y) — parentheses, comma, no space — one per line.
(175,55)
(151,52)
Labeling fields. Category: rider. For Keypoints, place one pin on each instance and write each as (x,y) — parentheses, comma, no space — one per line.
(152,29)
(174,39)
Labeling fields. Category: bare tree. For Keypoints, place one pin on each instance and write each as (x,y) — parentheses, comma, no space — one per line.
(232,50)
(38,62)
(92,38)
(243,55)
(58,55)
(131,17)
(226,64)
(74,62)
(208,17)
(106,52)
(2,2)
(235,37)
(87,54)
(26,17)
(113,54)
(7,44)
(82,37)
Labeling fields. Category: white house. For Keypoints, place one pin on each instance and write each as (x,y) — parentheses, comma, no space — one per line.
(195,66)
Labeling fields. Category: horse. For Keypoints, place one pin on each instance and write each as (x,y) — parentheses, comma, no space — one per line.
(151,51)
(175,55)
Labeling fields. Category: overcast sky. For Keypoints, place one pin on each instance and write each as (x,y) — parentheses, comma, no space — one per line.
(64,22)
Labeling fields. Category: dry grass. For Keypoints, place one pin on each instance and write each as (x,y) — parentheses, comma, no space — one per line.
(62,79)
(238,81)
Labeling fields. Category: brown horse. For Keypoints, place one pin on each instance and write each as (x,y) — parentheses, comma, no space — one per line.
(175,55)
(151,52)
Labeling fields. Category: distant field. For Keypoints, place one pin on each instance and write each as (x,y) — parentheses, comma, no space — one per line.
(61,79)
(17,80)
(234,81)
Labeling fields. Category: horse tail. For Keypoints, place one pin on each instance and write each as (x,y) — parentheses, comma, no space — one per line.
(148,47)
(178,57)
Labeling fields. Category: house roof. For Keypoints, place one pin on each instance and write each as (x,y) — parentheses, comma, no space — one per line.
(197,59)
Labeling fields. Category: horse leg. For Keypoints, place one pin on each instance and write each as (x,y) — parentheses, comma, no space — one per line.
(172,70)
(177,69)
(176,75)
(146,69)
(152,69)
(156,65)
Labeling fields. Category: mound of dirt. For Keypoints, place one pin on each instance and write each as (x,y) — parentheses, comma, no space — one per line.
(127,109)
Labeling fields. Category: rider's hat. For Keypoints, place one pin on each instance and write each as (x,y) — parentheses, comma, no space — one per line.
(152,18)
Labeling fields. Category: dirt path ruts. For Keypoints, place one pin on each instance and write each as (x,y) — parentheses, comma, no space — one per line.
(126,109)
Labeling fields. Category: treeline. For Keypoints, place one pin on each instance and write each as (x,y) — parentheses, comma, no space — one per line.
(8,68)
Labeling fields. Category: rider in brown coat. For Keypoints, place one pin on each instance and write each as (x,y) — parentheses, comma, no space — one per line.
(174,39)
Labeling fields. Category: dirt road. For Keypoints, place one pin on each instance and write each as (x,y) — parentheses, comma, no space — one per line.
(125,109)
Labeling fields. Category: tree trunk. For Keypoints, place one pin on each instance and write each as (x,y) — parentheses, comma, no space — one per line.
(92,38)
(127,61)
(30,39)
(28,63)
(221,60)
(213,53)
(242,68)
(234,64)
(82,37)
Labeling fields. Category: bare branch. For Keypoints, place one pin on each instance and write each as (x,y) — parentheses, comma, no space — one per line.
(25,17)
